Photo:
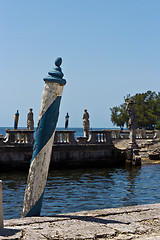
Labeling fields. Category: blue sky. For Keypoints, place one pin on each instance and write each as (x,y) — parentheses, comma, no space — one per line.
(110,48)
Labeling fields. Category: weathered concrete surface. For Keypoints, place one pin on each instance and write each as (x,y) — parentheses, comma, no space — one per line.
(136,222)
(63,156)
(87,155)
(145,146)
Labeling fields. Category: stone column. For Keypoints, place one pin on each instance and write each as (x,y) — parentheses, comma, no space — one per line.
(1,206)
(42,148)
(66,121)
(71,137)
(16,118)
(107,136)
(133,152)
(132,123)
(93,137)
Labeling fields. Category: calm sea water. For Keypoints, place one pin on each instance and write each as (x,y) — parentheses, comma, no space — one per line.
(78,190)
(85,189)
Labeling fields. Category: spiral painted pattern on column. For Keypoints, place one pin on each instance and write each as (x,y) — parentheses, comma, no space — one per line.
(16,117)
(42,148)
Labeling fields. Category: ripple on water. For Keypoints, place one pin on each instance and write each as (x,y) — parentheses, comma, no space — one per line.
(87,189)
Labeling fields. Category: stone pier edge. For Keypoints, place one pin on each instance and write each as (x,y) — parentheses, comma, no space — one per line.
(132,222)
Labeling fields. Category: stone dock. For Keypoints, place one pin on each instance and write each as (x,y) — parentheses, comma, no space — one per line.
(135,222)
(106,148)
(67,152)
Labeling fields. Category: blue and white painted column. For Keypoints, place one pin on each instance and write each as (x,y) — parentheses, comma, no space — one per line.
(66,121)
(42,149)
(16,118)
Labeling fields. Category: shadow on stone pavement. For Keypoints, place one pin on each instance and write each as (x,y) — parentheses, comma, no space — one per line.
(90,219)
(7,232)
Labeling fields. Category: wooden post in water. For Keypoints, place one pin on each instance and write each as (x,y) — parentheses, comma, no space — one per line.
(42,148)
(1,206)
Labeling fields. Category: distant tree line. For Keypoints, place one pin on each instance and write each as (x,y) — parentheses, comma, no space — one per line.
(147,107)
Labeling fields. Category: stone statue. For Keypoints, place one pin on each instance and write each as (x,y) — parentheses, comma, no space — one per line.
(132,123)
(30,121)
(86,123)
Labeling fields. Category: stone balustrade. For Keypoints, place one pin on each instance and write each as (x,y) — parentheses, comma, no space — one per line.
(124,134)
(64,137)
(140,134)
(103,136)
(25,136)
(1,139)
(116,134)
(19,136)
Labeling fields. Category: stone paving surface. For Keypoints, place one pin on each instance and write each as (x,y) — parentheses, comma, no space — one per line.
(146,146)
(140,222)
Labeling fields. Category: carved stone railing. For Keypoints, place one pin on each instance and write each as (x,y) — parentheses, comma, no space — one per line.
(64,137)
(24,136)
(19,136)
(116,134)
(96,137)
(157,134)
(124,134)
(1,139)
(140,134)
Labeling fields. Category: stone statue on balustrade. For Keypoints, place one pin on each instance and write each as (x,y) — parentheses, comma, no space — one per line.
(30,121)
(132,123)
(86,123)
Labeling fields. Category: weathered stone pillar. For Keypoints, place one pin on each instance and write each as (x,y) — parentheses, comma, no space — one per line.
(132,123)
(116,134)
(30,138)
(71,137)
(107,136)
(42,149)
(1,206)
(93,137)
(133,152)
